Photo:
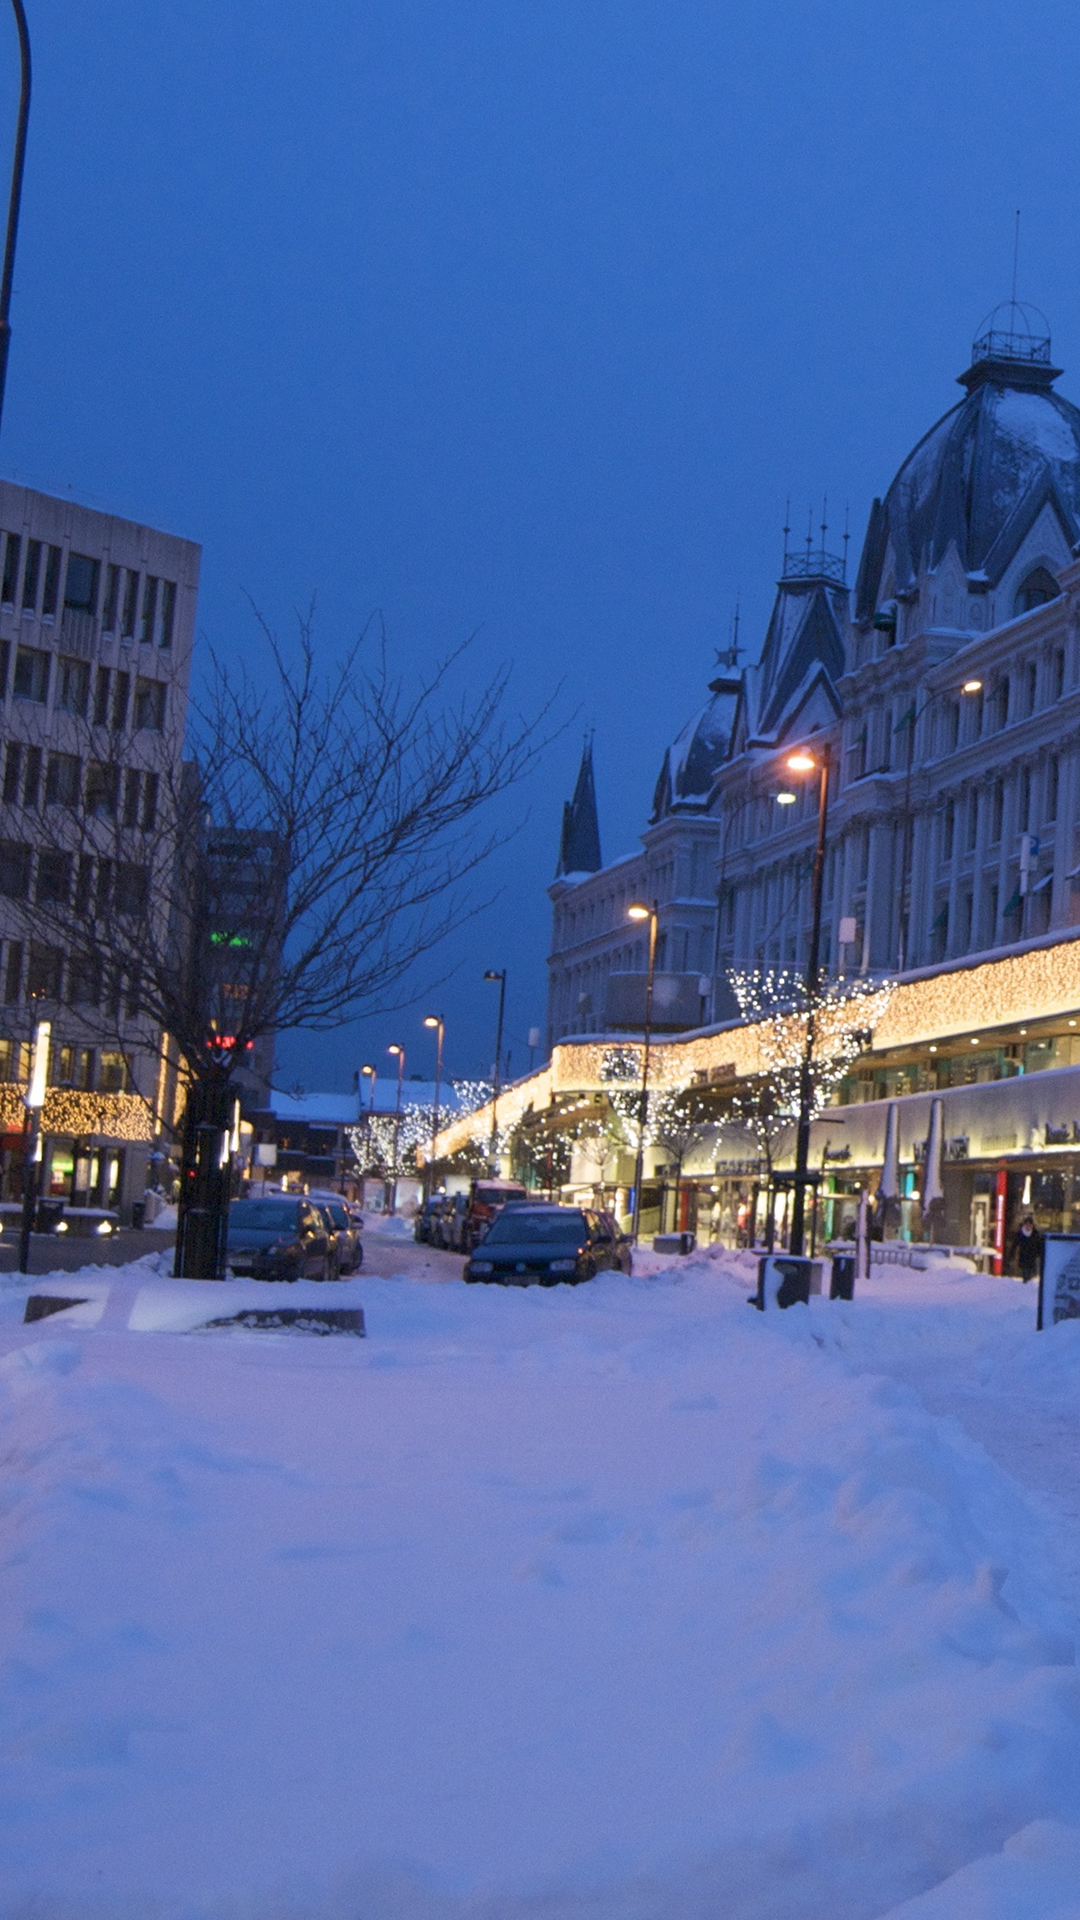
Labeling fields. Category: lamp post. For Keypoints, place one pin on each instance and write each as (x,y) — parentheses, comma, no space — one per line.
(368,1074)
(652,914)
(15,196)
(398,1052)
(33,1101)
(493,974)
(436,1022)
(806,762)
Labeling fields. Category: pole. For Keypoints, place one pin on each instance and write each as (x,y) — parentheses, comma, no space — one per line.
(15,197)
(643,1103)
(439,1025)
(497,1081)
(397,1126)
(806,1091)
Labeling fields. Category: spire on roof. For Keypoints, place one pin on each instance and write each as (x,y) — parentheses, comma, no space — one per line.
(579,845)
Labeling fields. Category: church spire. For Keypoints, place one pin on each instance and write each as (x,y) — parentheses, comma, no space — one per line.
(579,846)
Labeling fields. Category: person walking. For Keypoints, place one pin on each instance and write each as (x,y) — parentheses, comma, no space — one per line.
(1027,1248)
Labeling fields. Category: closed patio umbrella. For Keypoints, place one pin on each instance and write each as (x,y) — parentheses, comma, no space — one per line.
(889,1183)
(933,1183)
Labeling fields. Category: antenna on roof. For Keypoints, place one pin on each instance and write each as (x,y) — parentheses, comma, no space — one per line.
(847,536)
(1016,254)
(824,519)
(809,535)
(787,531)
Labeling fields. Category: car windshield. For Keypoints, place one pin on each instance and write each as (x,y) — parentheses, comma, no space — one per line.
(337,1214)
(543,1229)
(263,1213)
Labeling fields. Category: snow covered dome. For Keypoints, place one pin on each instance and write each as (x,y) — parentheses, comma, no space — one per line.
(980,478)
(693,760)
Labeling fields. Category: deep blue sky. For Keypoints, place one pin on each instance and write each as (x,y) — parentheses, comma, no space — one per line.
(525,317)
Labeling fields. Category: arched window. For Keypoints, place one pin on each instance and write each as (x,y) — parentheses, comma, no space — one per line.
(1035,590)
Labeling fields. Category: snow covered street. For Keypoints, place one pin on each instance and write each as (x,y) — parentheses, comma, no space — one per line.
(612,1603)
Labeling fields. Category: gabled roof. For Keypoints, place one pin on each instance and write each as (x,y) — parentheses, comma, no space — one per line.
(803,652)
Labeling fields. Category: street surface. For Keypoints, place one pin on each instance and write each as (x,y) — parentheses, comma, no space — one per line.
(385,1254)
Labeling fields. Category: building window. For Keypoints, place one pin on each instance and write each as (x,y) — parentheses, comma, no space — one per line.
(856,756)
(112,1072)
(32,777)
(52,584)
(972,822)
(997,810)
(32,674)
(102,790)
(149,609)
(1024,814)
(10,581)
(121,693)
(1031,683)
(149,705)
(73,687)
(1035,591)
(14,869)
(168,612)
(1001,704)
(63,775)
(53,879)
(101,697)
(84,878)
(32,576)
(132,888)
(149,802)
(43,972)
(13,966)
(5,662)
(1051,807)
(1058,674)
(12,772)
(81,584)
(131,798)
(84,982)
(131,598)
(112,598)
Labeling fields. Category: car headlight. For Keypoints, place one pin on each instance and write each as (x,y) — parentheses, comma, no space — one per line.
(103,1226)
(479,1266)
(562,1266)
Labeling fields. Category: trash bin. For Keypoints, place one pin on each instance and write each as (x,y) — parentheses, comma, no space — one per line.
(681,1243)
(784,1280)
(138,1214)
(49,1215)
(842,1285)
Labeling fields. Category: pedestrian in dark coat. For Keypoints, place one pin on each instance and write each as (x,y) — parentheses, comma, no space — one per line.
(1027,1248)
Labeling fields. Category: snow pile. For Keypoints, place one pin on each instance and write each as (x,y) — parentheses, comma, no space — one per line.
(619,1602)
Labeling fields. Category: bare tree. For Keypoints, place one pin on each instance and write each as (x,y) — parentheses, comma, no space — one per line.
(314,847)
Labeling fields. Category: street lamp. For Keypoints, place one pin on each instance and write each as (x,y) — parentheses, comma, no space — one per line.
(493,974)
(15,196)
(368,1073)
(436,1022)
(399,1054)
(33,1101)
(804,762)
(638,911)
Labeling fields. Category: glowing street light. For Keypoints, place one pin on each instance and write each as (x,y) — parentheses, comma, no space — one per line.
(437,1025)
(639,911)
(396,1052)
(33,1101)
(494,974)
(804,762)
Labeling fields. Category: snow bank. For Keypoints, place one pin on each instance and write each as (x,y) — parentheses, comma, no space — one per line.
(620,1602)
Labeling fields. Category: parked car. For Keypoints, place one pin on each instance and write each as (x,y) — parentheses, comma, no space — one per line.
(485,1199)
(279,1238)
(343,1219)
(545,1245)
(450,1225)
(426,1218)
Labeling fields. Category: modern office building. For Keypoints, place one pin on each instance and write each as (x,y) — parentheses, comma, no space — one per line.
(96,625)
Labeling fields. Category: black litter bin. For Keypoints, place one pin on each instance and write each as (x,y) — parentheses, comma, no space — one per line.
(138,1214)
(842,1285)
(49,1215)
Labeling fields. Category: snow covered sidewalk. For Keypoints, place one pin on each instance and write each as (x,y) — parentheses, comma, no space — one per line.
(612,1603)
